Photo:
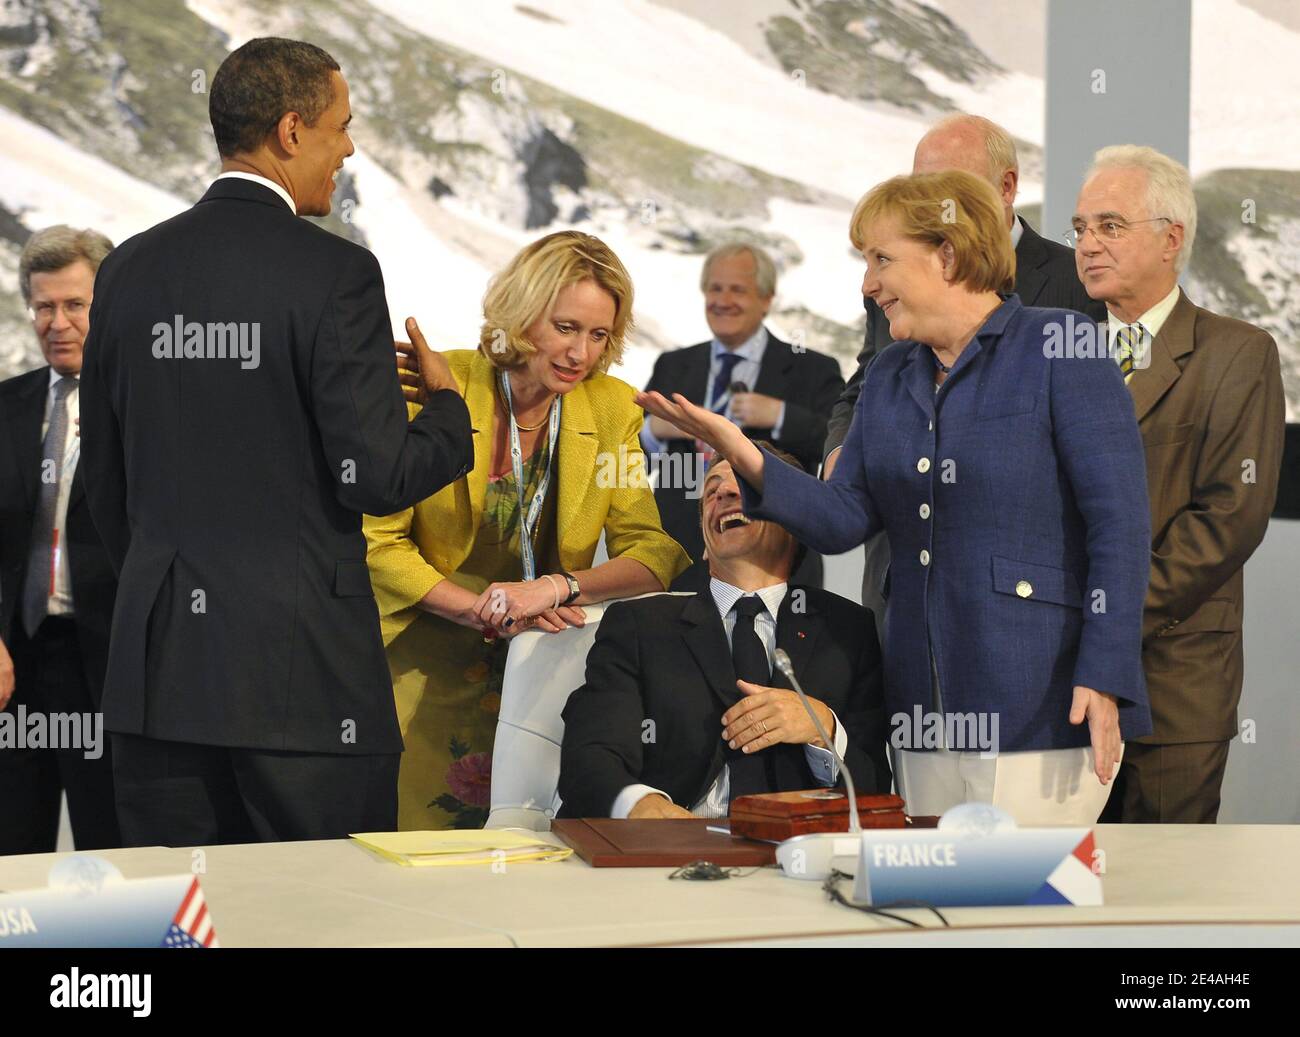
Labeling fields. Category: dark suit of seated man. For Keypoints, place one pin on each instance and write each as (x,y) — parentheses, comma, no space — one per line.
(682,709)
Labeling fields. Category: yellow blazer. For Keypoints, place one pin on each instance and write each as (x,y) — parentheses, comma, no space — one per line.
(412,551)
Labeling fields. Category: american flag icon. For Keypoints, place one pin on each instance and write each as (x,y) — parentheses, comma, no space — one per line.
(192,926)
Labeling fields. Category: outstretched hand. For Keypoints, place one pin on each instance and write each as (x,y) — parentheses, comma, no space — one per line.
(421,371)
(717,431)
(694,421)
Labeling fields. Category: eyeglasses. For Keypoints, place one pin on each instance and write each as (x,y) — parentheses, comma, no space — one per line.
(43,312)
(1110,230)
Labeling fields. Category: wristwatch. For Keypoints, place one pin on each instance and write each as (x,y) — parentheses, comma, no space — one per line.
(574,589)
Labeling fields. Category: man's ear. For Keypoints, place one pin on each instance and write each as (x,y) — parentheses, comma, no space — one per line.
(1173,241)
(1010,184)
(287,133)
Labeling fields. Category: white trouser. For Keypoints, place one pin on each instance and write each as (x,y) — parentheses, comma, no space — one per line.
(1044,787)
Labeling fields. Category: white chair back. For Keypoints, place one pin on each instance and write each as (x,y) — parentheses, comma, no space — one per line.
(542,671)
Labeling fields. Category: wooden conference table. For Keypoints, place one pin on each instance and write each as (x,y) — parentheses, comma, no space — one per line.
(1165,885)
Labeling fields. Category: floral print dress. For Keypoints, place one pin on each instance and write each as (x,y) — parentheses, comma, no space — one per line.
(449,718)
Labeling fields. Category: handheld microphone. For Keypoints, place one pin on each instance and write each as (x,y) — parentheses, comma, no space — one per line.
(736,387)
(784,665)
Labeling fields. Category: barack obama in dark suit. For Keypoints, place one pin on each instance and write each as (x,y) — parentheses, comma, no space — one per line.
(241,410)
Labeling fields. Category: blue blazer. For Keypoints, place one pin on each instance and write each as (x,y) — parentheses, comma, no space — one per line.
(1016,508)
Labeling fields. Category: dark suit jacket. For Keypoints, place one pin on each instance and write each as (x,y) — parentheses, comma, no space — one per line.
(22,412)
(1045,276)
(666,659)
(809,382)
(1211,410)
(230,498)
(1024,573)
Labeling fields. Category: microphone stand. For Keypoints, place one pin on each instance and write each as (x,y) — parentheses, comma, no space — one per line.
(784,665)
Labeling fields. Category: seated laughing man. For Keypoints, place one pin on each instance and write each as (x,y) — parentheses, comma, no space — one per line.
(683,709)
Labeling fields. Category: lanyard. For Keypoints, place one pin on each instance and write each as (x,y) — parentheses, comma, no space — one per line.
(528,522)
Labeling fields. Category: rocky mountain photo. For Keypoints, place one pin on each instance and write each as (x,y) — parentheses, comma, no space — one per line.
(664,126)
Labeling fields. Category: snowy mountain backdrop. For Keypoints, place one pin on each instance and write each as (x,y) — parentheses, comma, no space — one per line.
(664,126)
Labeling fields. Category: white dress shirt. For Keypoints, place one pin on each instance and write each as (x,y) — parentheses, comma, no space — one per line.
(716,801)
(61,597)
(254,178)
(1152,321)
(746,370)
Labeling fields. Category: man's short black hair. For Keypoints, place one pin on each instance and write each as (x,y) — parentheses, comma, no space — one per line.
(800,551)
(262,80)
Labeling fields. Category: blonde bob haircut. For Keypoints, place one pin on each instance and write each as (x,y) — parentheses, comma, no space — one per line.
(953,207)
(527,288)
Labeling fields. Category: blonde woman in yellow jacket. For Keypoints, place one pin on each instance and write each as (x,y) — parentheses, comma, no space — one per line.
(454,579)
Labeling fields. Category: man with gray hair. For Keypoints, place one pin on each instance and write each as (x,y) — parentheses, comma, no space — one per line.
(56,580)
(1210,406)
(769,388)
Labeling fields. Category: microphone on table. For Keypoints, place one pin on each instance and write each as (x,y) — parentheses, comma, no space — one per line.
(784,665)
(818,855)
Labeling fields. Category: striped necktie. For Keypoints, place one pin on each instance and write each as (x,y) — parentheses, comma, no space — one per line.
(1126,343)
(39,582)
(722,380)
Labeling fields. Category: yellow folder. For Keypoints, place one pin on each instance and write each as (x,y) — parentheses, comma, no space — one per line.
(440,849)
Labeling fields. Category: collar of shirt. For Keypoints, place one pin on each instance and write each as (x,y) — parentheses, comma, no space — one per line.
(1017,231)
(725,596)
(55,376)
(751,349)
(254,178)
(1153,320)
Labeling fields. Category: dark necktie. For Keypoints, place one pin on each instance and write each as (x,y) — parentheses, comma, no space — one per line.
(39,582)
(726,367)
(749,772)
(748,655)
